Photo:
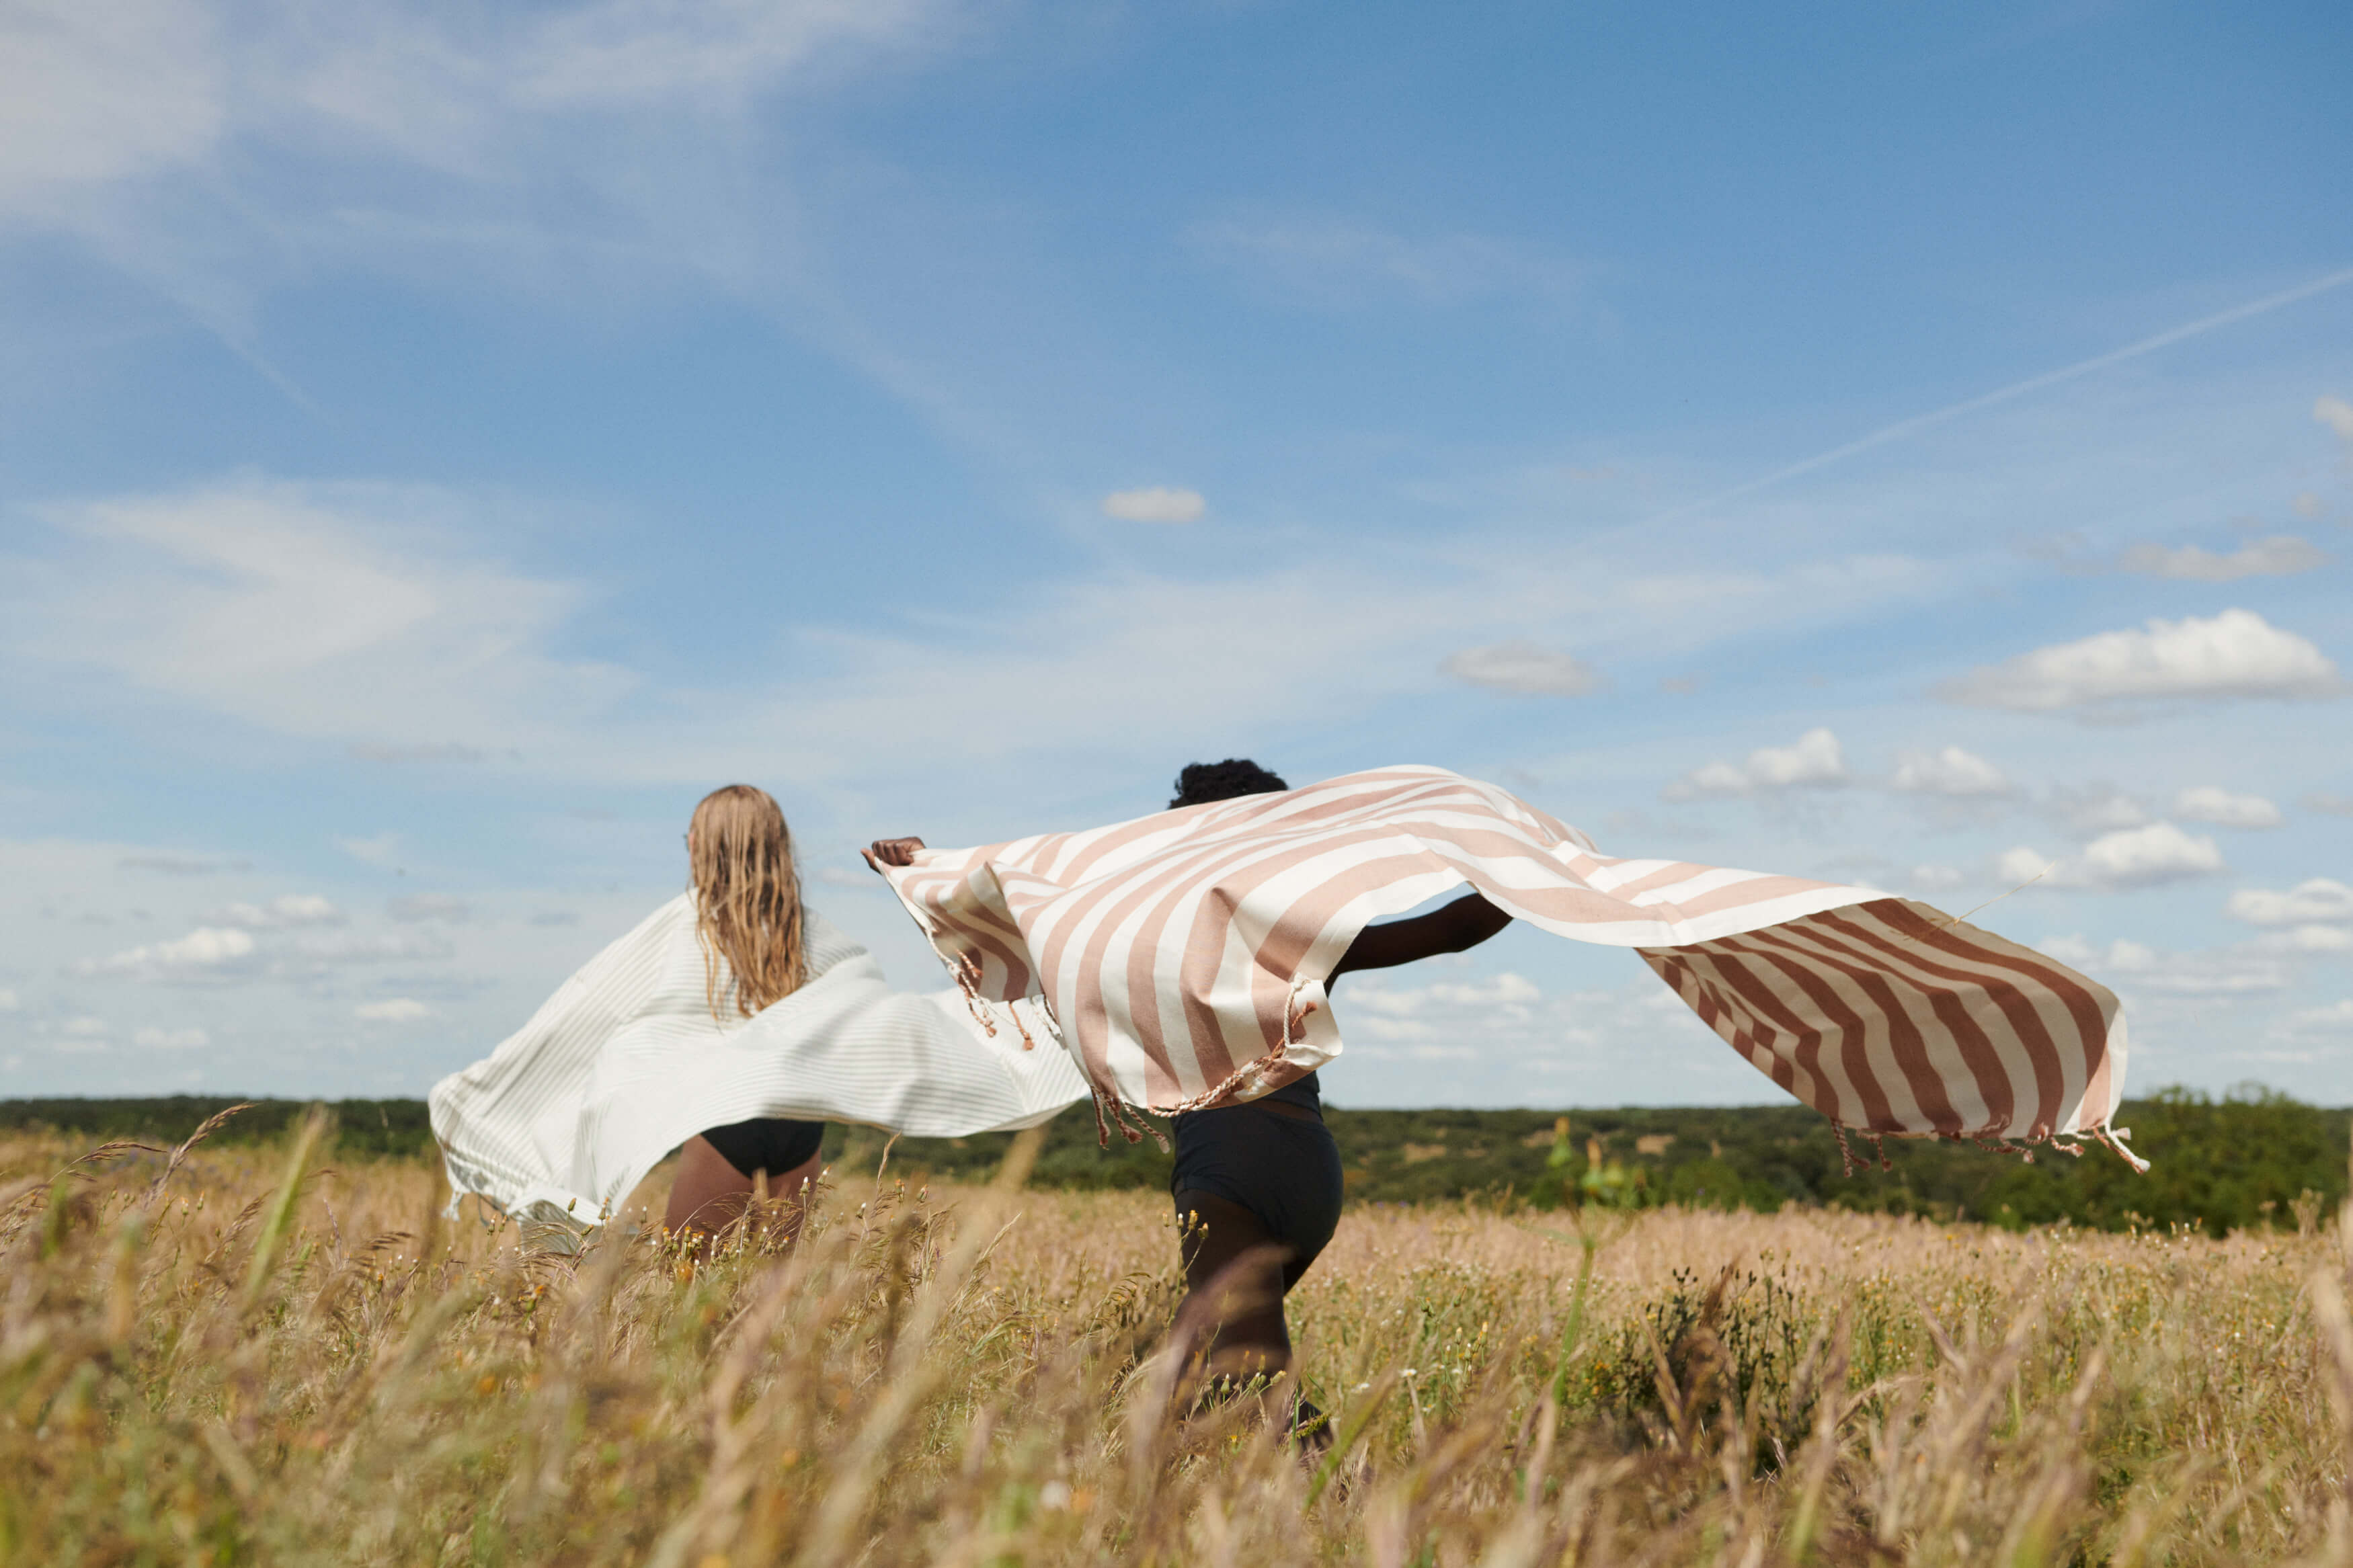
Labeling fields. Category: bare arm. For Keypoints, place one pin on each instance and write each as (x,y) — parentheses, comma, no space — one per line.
(892,852)
(1461,925)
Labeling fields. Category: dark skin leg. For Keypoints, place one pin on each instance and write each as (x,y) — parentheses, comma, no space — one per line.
(1235,1277)
(708,1194)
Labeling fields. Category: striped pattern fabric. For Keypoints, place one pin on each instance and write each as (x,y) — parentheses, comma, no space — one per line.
(1183,955)
(625,1063)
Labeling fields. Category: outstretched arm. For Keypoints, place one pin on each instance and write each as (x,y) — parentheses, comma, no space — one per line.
(1463,924)
(892,852)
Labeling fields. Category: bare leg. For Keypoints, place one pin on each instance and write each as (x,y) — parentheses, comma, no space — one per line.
(1234,1282)
(710,1195)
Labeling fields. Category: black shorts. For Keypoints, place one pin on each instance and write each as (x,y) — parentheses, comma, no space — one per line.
(769,1143)
(1285,1170)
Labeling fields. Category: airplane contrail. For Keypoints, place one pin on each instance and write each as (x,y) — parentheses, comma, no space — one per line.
(1903,427)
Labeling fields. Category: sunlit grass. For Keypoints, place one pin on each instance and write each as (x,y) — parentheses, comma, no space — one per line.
(259,1360)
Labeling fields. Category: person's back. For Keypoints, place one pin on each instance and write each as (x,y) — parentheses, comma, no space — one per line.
(747,899)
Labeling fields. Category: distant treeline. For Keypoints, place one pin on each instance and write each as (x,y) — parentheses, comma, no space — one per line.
(2250,1159)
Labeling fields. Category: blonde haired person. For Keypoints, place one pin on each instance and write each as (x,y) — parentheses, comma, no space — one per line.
(732,1023)
(747,920)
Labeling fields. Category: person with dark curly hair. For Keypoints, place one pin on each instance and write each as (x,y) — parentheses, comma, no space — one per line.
(1257,1185)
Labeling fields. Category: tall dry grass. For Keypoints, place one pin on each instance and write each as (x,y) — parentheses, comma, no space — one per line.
(253,1358)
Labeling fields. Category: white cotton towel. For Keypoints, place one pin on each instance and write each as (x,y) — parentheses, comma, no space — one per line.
(625,1063)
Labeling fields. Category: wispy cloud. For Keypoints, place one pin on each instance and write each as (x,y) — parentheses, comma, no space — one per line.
(1919,423)
(428,751)
(2282,555)
(1524,668)
(392,1010)
(2317,899)
(320,610)
(182,865)
(282,912)
(2210,802)
(1155,504)
(381,849)
(2124,962)
(336,612)
(412,908)
(537,144)
(1336,263)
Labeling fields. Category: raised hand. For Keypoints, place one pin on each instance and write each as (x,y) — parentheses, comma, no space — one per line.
(892,852)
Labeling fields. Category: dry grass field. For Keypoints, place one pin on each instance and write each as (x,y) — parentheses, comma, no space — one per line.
(253,1358)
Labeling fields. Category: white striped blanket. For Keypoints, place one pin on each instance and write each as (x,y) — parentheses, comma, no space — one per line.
(1183,955)
(625,1063)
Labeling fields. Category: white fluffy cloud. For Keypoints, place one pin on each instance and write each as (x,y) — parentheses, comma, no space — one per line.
(204,951)
(1157,503)
(2318,899)
(2282,555)
(9,1002)
(282,912)
(2234,654)
(2137,857)
(1950,771)
(2330,805)
(2129,858)
(1932,879)
(1524,668)
(2209,803)
(393,1010)
(1816,760)
(2336,415)
(172,1039)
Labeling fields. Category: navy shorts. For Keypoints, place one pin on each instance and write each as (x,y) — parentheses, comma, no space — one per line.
(770,1145)
(1285,1170)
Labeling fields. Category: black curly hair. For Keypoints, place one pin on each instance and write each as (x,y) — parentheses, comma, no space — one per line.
(1202,783)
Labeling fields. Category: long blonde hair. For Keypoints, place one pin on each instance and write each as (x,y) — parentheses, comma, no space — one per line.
(747,896)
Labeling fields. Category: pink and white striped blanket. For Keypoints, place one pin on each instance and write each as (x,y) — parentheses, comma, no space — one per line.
(1181,957)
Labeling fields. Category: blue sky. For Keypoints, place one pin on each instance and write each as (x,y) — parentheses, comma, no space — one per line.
(1908,447)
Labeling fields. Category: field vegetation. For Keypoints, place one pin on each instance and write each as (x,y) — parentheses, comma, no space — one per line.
(2245,1161)
(280,1352)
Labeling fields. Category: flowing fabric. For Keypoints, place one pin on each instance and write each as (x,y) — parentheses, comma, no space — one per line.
(626,1062)
(1184,954)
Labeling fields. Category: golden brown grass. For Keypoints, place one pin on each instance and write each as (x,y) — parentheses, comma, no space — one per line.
(259,1361)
